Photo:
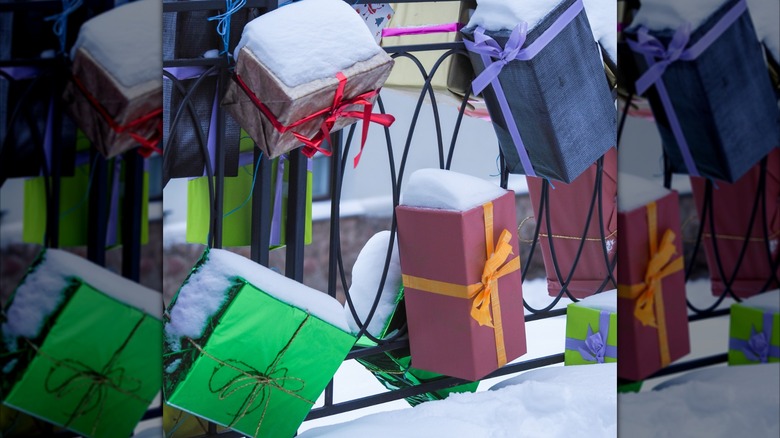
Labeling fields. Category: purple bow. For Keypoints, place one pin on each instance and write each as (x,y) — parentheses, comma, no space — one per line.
(594,348)
(658,59)
(758,348)
(486,46)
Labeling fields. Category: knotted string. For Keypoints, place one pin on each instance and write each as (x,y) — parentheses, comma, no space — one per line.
(223,23)
(60,26)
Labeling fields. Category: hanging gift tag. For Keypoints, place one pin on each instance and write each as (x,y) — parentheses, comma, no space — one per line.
(377,16)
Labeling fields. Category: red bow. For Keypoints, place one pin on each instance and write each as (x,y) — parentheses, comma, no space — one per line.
(148,145)
(336,111)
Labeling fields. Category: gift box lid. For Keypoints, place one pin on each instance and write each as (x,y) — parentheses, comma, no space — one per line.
(448,190)
(635,192)
(42,290)
(125,41)
(326,36)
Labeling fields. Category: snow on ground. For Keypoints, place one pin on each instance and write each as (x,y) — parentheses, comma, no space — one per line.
(715,402)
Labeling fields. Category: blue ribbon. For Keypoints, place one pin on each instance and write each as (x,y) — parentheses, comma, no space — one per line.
(659,58)
(60,27)
(594,347)
(757,347)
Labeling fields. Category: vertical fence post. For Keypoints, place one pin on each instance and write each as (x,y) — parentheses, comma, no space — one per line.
(132,219)
(296,215)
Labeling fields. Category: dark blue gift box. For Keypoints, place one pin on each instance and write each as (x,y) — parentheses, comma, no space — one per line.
(560,99)
(723,99)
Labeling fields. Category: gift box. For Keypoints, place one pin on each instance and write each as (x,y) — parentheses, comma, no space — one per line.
(282,106)
(74,204)
(591,330)
(462,284)
(115,90)
(731,209)
(651,294)
(391,368)
(695,102)
(754,330)
(567,207)
(549,100)
(237,204)
(248,348)
(432,23)
(81,347)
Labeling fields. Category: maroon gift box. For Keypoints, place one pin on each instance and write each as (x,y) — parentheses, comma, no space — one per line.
(732,205)
(449,246)
(638,347)
(568,209)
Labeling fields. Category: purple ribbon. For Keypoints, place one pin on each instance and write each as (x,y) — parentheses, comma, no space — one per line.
(48,138)
(758,348)
(276,220)
(183,73)
(21,72)
(658,58)
(488,49)
(113,211)
(594,347)
(421,30)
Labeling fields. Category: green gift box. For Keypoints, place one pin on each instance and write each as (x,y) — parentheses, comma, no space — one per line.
(754,330)
(74,203)
(393,368)
(254,361)
(237,206)
(92,365)
(591,330)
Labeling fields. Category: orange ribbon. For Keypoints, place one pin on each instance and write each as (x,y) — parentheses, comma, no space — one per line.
(484,295)
(649,306)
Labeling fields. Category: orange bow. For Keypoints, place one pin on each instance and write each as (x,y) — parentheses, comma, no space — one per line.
(649,306)
(484,295)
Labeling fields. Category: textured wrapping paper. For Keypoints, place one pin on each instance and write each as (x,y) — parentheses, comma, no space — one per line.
(722,99)
(559,100)
(648,345)
(393,368)
(754,335)
(568,206)
(237,226)
(731,206)
(125,111)
(591,336)
(449,248)
(74,207)
(259,385)
(92,372)
(291,104)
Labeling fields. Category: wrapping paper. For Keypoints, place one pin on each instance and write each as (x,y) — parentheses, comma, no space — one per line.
(558,103)
(653,325)
(754,335)
(731,206)
(568,210)
(445,336)
(591,336)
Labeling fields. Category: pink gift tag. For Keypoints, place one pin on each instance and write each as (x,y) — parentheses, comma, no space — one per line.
(377,16)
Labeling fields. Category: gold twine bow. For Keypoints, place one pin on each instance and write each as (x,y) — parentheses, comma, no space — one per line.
(648,296)
(484,295)
(259,382)
(98,382)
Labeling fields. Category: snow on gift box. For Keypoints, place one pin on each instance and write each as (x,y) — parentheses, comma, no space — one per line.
(296,80)
(237,210)
(584,270)
(545,89)
(754,330)
(392,368)
(248,348)
(707,84)
(81,346)
(115,91)
(591,330)
(462,284)
(729,214)
(651,294)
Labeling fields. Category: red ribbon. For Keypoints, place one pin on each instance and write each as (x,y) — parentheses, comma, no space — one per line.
(336,111)
(148,145)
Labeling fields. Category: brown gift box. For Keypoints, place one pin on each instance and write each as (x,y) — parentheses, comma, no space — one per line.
(639,346)
(123,105)
(449,246)
(291,104)
(568,209)
(732,205)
